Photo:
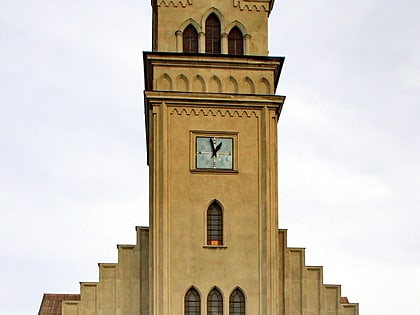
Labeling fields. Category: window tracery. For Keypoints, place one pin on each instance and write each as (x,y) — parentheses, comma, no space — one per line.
(237,303)
(192,302)
(214,303)
(235,42)
(213,34)
(214,224)
(190,40)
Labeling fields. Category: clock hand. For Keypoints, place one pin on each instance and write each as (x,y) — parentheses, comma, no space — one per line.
(213,150)
(218,147)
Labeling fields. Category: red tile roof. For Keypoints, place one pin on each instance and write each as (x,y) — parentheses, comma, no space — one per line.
(344,300)
(51,303)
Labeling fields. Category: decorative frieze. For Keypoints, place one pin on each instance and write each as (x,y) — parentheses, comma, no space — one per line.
(190,82)
(257,6)
(174,3)
(214,112)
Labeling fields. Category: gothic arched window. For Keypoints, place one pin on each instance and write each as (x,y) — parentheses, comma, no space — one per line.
(190,39)
(235,42)
(237,303)
(215,303)
(192,302)
(213,30)
(214,224)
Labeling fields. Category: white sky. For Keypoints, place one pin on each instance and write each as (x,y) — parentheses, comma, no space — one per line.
(73,175)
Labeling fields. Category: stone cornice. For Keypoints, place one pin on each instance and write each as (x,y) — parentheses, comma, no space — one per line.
(204,100)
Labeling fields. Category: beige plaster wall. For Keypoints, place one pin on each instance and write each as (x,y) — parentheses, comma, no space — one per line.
(181,196)
(191,262)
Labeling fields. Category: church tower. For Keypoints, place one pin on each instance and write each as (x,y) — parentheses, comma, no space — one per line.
(213,246)
(211,117)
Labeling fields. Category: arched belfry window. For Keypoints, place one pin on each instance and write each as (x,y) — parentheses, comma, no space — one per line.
(214,224)
(215,303)
(192,302)
(190,39)
(235,42)
(213,31)
(237,303)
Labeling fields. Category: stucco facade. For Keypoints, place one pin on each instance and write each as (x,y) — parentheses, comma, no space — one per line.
(191,96)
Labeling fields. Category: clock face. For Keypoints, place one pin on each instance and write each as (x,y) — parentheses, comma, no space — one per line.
(214,153)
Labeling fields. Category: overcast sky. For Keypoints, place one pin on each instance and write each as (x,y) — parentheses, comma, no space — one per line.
(73,175)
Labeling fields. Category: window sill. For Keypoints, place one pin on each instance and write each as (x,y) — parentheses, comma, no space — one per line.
(215,246)
(212,171)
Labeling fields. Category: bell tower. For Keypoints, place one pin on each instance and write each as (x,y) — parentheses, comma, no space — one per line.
(211,120)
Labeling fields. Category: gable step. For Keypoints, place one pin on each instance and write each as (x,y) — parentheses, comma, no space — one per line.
(302,290)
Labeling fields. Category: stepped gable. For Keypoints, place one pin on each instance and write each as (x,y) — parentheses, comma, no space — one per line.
(120,285)
(122,288)
(302,287)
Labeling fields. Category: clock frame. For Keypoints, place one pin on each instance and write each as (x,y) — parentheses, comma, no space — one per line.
(215,151)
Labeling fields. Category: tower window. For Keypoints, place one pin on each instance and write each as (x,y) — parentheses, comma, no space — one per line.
(190,39)
(192,302)
(213,31)
(237,303)
(235,42)
(215,303)
(214,225)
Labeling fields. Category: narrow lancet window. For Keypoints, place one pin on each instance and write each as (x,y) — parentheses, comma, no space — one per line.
(214,225)
(190,39)
(213,35)
(192,302)
(235,42)
(215,303)
(237,303)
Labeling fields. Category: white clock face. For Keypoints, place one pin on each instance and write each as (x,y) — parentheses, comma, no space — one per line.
(214,153)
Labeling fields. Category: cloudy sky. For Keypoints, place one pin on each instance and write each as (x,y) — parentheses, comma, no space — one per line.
(73,175)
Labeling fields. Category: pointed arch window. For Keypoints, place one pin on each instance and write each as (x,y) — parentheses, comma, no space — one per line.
(213,37)
(214,224)
(237,303)
(192,302)
(190,40)
(215,303)
(235,42)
